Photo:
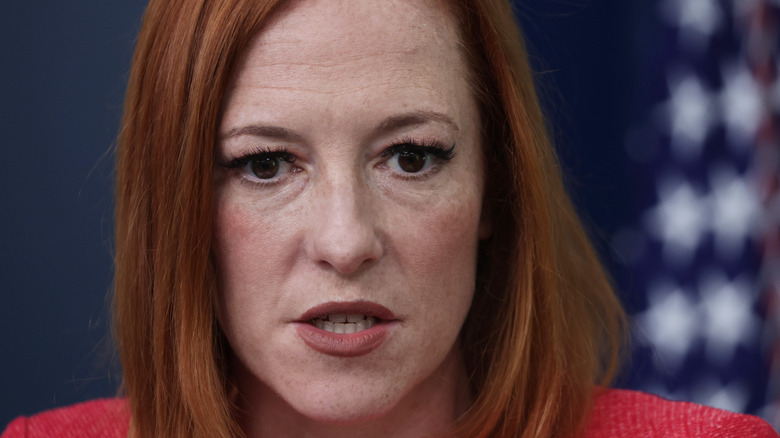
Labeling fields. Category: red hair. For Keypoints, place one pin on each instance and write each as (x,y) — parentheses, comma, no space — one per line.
(544,325)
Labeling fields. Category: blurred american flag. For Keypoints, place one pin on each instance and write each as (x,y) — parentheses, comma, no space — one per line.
(704,249)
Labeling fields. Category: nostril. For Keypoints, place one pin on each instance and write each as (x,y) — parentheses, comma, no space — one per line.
(345,250)
(347,263)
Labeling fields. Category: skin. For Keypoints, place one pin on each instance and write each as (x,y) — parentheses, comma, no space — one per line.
(344,222)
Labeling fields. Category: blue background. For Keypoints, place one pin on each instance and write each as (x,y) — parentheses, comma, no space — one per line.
(64,70)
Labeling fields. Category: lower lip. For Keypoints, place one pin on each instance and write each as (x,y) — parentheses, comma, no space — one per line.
(342,344)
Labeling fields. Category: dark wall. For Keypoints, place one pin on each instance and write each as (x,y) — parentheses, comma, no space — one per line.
(64,67)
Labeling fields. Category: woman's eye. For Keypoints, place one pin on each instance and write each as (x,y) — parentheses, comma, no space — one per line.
(410,158)
(269,165)
(264,165)
(411,161)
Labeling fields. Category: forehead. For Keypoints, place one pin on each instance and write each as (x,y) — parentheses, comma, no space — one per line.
(312,30)
(343,46)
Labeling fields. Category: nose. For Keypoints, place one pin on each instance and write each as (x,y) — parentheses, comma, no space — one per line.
(343,234)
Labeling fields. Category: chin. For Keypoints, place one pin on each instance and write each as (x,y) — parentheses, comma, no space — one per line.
(342,401)
(302,395)
(349,412)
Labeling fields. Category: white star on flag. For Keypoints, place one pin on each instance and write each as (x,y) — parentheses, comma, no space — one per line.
(741,104)
(735,211)
(689,114)
(729,319)
(670,323)
(697,20)
(679,219)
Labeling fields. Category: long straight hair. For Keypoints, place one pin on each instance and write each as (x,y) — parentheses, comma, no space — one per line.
(544,327)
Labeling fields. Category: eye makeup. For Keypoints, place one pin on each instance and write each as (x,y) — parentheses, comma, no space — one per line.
(262,166)
(281,154)
(433,148)
(413,160)
(407,158)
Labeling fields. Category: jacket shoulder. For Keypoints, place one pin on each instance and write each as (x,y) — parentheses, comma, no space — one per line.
(624,413)
(104,418)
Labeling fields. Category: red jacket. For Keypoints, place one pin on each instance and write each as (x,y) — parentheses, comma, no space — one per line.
(616,414)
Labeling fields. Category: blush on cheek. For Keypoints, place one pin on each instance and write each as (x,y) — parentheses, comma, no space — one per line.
(235,234)
(438,249)
(232,220)
(254,250)
(447,233)
(241,229)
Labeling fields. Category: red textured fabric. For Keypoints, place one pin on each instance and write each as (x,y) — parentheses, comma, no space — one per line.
(616,414)
(631,414)
(104,418)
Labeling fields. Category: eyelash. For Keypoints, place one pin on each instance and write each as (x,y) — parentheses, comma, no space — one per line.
(438,151)
(240,162)
(282,154)
(434,148)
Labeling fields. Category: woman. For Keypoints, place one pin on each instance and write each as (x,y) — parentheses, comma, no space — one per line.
(341,217)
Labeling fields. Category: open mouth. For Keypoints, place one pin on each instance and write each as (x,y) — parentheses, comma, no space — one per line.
(343,323)
(346,329)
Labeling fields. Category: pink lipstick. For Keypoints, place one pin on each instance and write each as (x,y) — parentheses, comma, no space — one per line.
(345,329)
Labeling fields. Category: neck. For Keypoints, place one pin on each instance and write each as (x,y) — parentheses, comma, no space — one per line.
(429,410)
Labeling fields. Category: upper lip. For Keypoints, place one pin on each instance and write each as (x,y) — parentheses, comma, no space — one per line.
(368,308)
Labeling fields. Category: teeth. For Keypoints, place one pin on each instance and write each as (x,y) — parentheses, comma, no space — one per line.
(340,323)
(337,318)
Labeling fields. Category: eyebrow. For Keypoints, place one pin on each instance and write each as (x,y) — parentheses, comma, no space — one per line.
(274,132)
(387,125)
(415,118)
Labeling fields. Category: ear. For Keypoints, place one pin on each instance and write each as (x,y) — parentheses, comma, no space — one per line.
(485,228)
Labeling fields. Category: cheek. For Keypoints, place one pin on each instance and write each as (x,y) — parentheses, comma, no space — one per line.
(235,234)
(232,224)
(247,257)
(448,234)
(248,237)
(232,227)
(437,247)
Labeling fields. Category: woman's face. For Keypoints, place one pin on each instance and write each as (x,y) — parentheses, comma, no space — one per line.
(348,192)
